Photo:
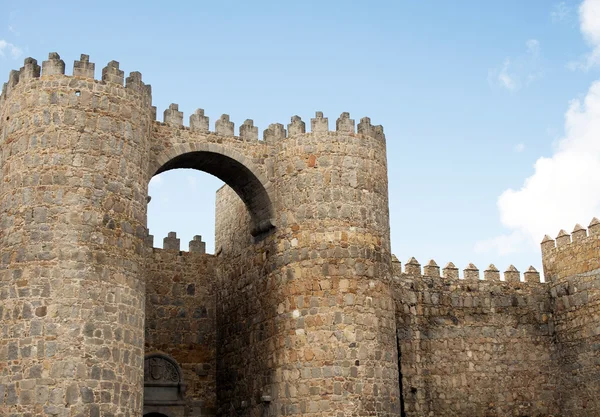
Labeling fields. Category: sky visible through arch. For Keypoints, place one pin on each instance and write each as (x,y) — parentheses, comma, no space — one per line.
(491,109)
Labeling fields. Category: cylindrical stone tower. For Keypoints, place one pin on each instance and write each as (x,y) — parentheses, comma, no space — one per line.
(74,159)
(337,351)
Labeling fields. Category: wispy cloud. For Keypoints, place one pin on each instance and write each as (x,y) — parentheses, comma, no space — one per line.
(516,73)
(519,147)
(506,80)
(7,48)
(560,12)
(533,47)
(589,24)
(564,188)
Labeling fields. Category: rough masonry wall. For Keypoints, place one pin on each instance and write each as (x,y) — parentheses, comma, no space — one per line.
(572,267)
(307,312)
(73,163)
(246,335)
(471,347)
(181,320)
(232,224)
(332,269)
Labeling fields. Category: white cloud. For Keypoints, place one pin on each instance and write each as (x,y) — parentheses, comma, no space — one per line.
(589,23)
(560,12)
(533,47)
(519,72)
(6,47)
(564,189)
(519,147)
(504,77)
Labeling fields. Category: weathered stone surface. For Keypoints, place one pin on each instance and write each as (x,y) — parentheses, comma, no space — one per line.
(74,161)
(466,345)
(302,310)
(573,272)
(181,320)
(306,316)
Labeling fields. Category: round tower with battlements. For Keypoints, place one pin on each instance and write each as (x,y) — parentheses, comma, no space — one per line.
(306,316)
(337,311)
(74,157)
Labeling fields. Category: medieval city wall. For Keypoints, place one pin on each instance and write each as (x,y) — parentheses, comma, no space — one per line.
(300,311)
(572,268)
(475,345)
(181,319)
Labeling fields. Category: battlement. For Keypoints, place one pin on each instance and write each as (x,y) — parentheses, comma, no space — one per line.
(172,243)
(470,274)
(54,68)
(274,132)
(571,254)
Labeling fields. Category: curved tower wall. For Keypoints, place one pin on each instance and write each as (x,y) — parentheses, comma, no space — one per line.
(572,269)
(74,158)
(316,326)
(339,353)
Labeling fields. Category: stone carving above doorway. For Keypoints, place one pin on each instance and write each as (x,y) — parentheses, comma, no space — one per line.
(163,381)
(157,369)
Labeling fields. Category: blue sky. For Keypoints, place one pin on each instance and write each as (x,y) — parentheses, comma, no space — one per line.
(476,98)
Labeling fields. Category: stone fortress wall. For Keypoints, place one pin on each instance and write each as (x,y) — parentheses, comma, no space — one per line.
(572,268)
(181,319)
(303,299)
(302,310)
(480,345)
(474,346)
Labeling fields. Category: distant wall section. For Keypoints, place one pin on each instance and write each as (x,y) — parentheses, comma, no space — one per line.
(181,318)
(474,347)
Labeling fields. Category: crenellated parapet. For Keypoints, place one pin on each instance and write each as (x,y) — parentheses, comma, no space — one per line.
(248,131)
(469,274)
(275,132)
(53,66)
(172,243)
(52,75)
(571,254)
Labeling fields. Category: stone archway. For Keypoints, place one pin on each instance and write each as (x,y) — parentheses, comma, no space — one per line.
(235,171)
